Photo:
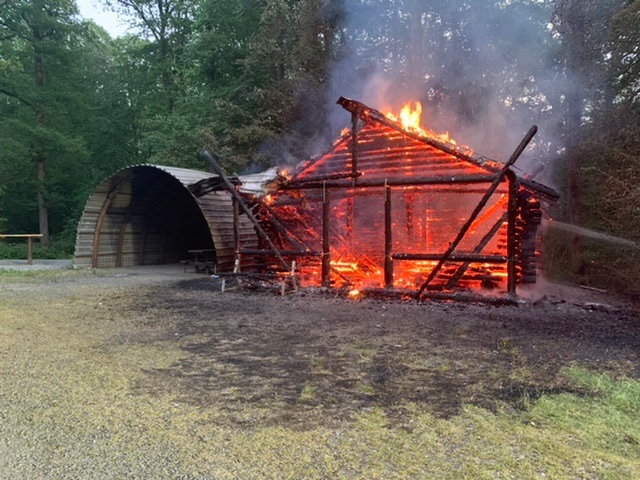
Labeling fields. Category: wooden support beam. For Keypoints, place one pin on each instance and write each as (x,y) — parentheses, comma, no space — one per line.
(326,231)
(458,257)
(101,216)
(512,214)
(236,231)
(394,182)
(284,253)
(388,240)
(354,147)
(232,190)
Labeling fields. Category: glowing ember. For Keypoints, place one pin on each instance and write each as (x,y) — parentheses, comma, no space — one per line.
(285,173)
(355,293)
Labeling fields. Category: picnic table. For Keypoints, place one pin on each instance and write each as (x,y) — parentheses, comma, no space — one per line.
(203,260)
(29,237)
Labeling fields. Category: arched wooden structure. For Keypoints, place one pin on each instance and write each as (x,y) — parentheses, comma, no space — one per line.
(151,214)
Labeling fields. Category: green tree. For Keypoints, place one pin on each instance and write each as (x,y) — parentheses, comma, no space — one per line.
(600,165)
(65,121)
(33,36)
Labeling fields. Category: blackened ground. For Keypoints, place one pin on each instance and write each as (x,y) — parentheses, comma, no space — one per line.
(314,357)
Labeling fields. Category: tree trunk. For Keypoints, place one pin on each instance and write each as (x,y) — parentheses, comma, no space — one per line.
(38,155)
(43,212)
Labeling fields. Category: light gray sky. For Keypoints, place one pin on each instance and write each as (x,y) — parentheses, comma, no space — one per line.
(93,9)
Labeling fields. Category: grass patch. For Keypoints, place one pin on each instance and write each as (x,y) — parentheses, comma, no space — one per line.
(604,419)
(366,388)
(308,393)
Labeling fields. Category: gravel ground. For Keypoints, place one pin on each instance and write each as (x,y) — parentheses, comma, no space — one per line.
(23,265)
(152,373)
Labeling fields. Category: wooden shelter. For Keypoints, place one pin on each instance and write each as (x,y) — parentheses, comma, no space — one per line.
(389,207)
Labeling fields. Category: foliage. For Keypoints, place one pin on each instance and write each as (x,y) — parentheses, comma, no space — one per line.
(255,81)
(601,165)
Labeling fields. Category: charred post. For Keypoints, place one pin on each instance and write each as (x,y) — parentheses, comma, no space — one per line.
(326,246)
(512,215)
(388,240)
(354,147)
(236,231)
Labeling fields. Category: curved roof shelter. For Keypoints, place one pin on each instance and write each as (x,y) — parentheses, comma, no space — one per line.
(151,214)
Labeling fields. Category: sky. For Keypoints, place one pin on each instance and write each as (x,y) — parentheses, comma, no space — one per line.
(92,9)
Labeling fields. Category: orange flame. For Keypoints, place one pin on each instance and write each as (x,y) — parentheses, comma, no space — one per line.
(411,121)
(285,173)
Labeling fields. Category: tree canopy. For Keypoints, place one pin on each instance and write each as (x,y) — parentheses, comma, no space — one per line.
(256,81)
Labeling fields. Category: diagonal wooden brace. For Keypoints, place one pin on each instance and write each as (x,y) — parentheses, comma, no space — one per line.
(492,188)
(232,190)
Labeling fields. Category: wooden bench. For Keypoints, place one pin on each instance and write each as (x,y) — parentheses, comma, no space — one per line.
(204,260)
(29,237)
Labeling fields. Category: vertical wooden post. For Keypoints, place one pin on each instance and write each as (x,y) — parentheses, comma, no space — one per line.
(354,148)
(29,250)
(326,255)
(512,213)
(236,233)
(388,240)
(354,176)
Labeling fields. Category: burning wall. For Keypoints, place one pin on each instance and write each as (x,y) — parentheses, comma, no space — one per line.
(386,205)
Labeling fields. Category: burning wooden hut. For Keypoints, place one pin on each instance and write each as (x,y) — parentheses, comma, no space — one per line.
(394,206)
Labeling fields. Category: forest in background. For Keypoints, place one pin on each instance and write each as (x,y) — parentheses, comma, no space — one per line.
(256,81)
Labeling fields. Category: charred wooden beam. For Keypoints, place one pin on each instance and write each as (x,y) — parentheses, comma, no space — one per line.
(458,257)
(325,178)
(499,178)
(354,146)
(326,230)
(284,253)
(512,214)
(388,240)
(394,182)
(231,189)
(236,231)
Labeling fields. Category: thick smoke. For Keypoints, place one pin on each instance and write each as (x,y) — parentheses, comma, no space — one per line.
(483,70)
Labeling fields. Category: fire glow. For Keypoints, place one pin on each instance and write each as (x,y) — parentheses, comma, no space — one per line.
(383,207)
(411,120)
